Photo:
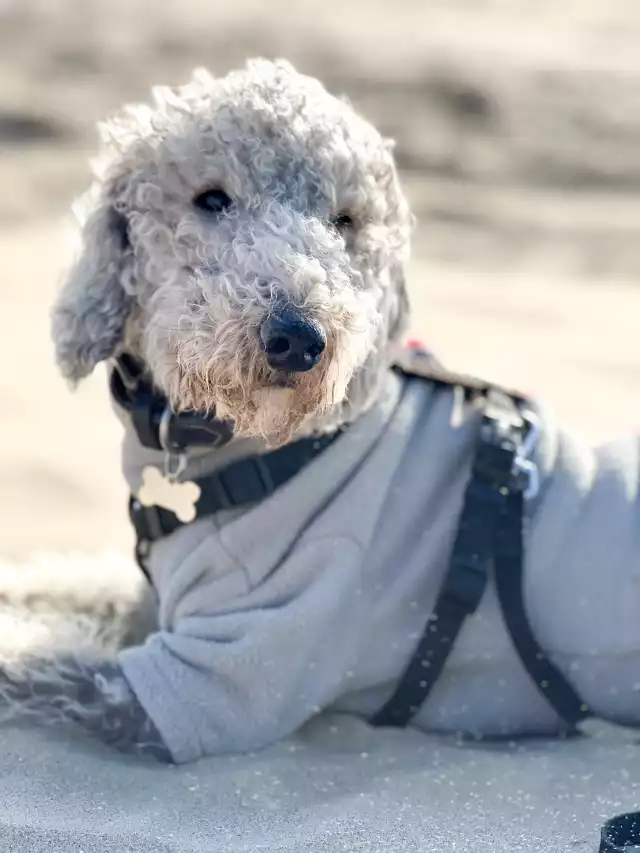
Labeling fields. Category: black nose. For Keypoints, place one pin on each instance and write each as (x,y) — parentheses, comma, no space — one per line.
(291,342)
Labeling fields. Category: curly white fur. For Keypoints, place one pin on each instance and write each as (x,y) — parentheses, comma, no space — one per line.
(187,292)
(48,611)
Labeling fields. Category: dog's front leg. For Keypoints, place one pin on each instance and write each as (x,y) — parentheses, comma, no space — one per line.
(95,696)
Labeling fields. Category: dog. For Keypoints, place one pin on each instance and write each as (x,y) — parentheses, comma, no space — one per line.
(246,241)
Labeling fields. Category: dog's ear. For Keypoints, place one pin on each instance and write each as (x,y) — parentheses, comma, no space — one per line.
(89,316)
(398,304)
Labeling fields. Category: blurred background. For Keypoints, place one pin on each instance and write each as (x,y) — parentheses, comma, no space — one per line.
(518,138)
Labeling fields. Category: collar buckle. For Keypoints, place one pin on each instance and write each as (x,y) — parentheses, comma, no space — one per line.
(156,424)
(179,431)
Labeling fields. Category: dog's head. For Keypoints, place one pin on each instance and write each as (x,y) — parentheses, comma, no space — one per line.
(246,238)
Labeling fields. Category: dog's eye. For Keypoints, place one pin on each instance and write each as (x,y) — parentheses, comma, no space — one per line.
(342,221)
(213,201)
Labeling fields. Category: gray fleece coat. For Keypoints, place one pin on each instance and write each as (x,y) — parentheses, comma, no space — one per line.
(316,597)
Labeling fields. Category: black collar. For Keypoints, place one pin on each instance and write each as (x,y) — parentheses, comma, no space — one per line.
(241,483)
(156,424)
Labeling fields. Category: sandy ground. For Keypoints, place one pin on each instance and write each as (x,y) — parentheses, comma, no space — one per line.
(518,129)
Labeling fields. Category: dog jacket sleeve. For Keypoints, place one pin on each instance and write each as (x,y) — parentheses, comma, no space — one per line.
(258,668)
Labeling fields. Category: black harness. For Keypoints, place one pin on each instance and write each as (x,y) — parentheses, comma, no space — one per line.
(489,540)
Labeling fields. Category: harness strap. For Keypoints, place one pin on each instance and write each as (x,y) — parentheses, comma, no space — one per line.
(413,361)
(508,565)
(242,483)
(489,539)
(469,568)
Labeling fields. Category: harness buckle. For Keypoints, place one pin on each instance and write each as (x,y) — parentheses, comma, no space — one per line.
(520,428)
(524,466)
(175,460)
(178,431)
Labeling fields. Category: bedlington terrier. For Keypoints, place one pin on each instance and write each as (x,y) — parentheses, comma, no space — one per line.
(285,172)
(246,240)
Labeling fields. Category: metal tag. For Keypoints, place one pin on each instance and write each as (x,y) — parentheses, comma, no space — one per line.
(179,498)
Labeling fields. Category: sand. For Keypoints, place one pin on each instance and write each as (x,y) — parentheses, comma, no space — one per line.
(518,132)
(336,788)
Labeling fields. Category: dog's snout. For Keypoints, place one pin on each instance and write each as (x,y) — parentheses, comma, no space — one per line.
(291,342)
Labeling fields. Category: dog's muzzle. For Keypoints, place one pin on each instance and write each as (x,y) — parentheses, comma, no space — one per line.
(291,342)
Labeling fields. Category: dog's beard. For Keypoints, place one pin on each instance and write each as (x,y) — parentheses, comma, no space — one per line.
(212,359)
(234,381)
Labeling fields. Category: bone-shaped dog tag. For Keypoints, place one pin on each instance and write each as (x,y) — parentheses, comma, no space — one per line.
(180,498)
